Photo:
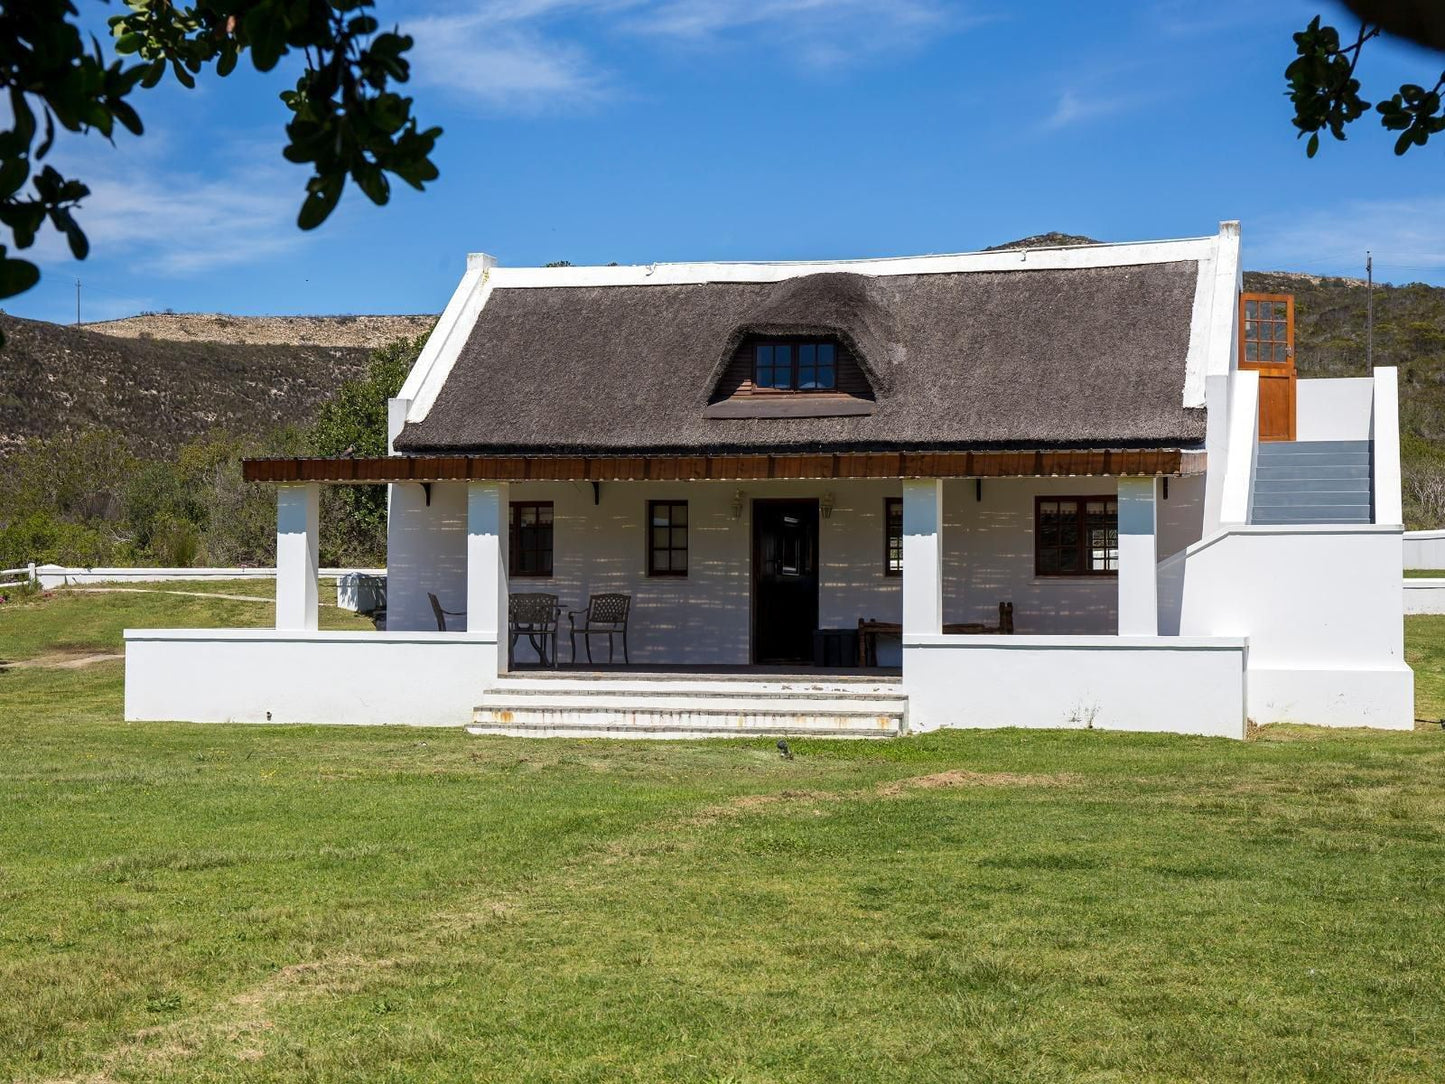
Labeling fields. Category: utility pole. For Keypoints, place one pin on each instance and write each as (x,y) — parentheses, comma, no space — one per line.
(77,301)
(1369,311)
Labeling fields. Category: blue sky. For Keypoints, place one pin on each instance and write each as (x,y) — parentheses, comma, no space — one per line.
(642,130)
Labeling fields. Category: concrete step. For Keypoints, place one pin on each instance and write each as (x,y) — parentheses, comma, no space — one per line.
(1265,483)
(596,709)
(1294,470)
(1275,448)
(675,687)
(1294,498)
(1308,515)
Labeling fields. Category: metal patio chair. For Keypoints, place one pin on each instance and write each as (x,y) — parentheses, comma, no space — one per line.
(442,615)
(606,615)
(535,616)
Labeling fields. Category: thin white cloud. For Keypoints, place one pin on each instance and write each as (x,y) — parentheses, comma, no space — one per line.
(1406,236)
(164,219)
(528,55)
(1077,107)
(503,67)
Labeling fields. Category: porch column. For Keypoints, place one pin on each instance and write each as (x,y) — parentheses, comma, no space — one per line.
(487,563)
(298,513)
(1138,558)
(922,555)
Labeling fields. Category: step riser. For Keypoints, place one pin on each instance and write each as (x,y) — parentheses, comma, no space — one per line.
(642,690)
(621,705)
(643,723)
(1308,519)
(1270,448)
(1305,486)
(635,733)
(1359,474)
(1311,500)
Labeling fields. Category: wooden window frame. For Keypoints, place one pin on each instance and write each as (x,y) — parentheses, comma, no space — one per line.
(792,347)
(889,504)
(652,551)
(1285,324)
(1080,503)
(514,540)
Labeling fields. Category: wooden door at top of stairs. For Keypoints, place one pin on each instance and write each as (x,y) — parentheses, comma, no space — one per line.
(1266,346)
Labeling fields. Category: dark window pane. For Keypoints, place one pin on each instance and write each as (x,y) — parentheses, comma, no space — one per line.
(679,515)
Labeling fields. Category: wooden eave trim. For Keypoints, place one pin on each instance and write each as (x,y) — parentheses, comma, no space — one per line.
(672,468)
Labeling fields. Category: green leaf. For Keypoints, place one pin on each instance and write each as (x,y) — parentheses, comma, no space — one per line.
(318,205)
(17,276)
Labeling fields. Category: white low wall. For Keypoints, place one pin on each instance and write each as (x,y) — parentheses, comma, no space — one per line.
(1424,596)
(1323,609)
(1336,408)
(1161,684)
(1424,549)
(265,675)
(50,576)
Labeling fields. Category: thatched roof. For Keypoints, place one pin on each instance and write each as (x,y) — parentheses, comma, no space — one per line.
(1062,357)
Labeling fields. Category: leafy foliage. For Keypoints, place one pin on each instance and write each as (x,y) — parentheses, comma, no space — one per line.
(347,123)
(87,498)
(1326,94)
(353,422)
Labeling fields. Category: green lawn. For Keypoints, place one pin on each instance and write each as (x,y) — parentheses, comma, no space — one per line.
(1424,573)
(266,903)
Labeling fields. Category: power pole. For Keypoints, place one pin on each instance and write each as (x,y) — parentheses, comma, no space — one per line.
(1369,311)
(77,301)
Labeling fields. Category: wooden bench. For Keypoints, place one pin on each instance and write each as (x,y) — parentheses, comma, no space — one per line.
(870,629)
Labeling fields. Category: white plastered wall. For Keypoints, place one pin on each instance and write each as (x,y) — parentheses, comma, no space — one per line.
(988,553)
(705,617)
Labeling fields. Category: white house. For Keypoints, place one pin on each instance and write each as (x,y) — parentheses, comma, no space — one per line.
(763,456)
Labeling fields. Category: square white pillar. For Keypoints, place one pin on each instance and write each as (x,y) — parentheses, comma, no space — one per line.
(1138,558)
(922,555)
(298,515)
(487,521)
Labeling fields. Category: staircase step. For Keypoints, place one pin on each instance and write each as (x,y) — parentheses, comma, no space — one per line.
(658,706)
(665,730)
(1294,498)
(674,688)
(1294,472)
(1271,448)
(1308,516)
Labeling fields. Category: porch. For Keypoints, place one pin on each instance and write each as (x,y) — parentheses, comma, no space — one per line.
(1086,648)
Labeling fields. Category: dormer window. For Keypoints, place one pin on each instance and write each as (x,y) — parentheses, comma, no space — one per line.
(804,365)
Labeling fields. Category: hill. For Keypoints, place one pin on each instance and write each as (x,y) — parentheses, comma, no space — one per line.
(368,332)
(161,393)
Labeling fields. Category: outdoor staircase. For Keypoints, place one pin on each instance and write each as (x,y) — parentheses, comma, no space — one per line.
(1319,481)
(689,706)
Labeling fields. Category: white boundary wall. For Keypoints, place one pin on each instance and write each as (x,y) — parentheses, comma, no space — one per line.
(1424,596)
(266,675)
(51,576)
(1177,685)
(1424,549)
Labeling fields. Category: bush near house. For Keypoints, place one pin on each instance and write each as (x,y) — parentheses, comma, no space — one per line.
(93,497)
(262,903)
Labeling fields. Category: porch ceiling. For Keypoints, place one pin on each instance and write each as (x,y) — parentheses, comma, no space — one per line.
(668,468)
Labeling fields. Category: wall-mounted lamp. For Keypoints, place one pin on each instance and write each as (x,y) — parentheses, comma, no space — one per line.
(826,505)
(738,505)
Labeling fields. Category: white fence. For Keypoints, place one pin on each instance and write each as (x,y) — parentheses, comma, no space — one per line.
(50,576)
(1425,549)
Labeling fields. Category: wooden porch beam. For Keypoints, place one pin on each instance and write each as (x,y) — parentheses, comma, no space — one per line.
(673,468)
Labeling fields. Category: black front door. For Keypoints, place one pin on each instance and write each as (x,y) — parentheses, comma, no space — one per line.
(785,580)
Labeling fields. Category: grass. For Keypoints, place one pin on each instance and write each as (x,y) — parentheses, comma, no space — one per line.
(1424,573)
(265,903)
